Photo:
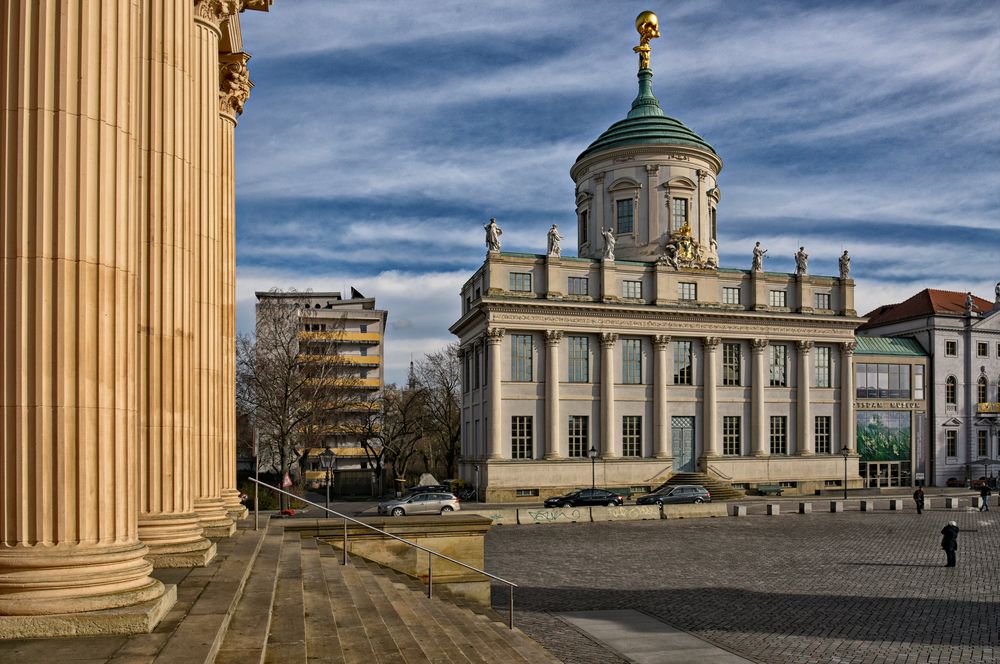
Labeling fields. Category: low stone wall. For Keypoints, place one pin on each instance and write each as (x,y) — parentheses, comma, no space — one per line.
(692,511)
(532,515)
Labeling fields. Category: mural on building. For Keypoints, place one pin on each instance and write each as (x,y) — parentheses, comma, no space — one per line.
(884,435)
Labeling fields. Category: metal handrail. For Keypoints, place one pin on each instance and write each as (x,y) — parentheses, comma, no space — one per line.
(718,472)
(510,584)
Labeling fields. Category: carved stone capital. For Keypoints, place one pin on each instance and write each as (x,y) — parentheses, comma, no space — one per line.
(553,337)
(847,347)
(759,345)
(711,343)
(661,341)
(234,82)
(701,174)
(608,339)
(804,346)
(599,178)
(217,11)
(494,335)
(652,169)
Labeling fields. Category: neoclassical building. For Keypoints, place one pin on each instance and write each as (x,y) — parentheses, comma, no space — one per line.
(642,350)
(117,451)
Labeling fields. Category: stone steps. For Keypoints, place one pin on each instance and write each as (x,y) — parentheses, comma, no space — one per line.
(719,489)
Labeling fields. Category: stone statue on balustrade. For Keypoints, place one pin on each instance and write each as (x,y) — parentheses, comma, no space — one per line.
(758,258)
(801,262)
(609,244)
(845,265)
(493,234)
(554,238)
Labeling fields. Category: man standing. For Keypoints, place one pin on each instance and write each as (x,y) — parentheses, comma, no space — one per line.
(918,498)
(985,493)
(949,541)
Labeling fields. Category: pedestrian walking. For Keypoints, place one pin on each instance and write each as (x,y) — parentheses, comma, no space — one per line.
(918,498)
(949,542)
(985,493)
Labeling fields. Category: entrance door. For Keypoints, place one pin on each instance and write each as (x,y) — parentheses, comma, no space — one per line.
(682,430)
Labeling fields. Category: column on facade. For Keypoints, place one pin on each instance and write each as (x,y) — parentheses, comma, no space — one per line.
(234,89)
(553,439)
(206,272)
(609,445)
(168,524)
(710,424)
(494,337)
(758,419)
(661,417)
(68,396)
(804,443)
(847,424)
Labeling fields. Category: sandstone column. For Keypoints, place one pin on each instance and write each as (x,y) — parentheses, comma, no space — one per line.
(804,431)
(69,217)
(167,522)
(661,418)
(847,423)
(710,448)
(759,423)
(609,448)
(233,93)
(552,438)
(206,272)
(494,337)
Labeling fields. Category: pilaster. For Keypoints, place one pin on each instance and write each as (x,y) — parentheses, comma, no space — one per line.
(759,424)
(804,444)
(847,423)
(710,424)
(553,277)
(847,297)
(803,293)
(494,338)
(609,443)
(652,201)
(758,291)
(661,417)
(553,439)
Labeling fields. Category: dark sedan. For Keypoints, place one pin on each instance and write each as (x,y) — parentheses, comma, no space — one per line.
(682,493)
(585,498)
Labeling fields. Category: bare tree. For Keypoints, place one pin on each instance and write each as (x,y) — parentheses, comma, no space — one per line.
(395,428)
(439,377)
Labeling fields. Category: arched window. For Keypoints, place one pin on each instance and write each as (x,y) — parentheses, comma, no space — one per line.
(982,389)
(951,391)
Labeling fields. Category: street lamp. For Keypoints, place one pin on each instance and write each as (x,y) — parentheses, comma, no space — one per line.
(326,459)
(846,451)
(592,453)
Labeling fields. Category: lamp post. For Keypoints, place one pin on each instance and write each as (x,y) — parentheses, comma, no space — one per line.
(846,451)
(476,468)
(326,460)
(592,453)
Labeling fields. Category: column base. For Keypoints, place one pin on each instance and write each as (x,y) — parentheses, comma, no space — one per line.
(663,455)
(805,454)
(168,556)
(553,457)
(235,509)
(238,514)
(213,518)
(175,540)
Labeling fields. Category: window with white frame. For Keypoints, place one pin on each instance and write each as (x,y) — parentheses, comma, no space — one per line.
(779,365)
(682,363)
(579,359)
(632,436)
(822,300)
(983,443)
(687,290)
(730,295)
(918,381)
(624,215)
(578,432)
(631,361)
(951,391)
(678,213)
(951,442)
(777,298)
(578,286)
(982,349)
(521,357)
(822,366)
(982,390)
(520,281)
(522,437)
(822,434)
(779,434)
(632,289)
(477,367)
(732,359)
(951,348)
(583,227)
(731,435)
(466,365)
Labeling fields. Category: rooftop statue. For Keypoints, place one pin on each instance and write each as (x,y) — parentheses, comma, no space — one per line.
(845,265)
(554,238)
(997,291)
(609,244)
(801,262)
(493,234)
(758,258)
(648,27)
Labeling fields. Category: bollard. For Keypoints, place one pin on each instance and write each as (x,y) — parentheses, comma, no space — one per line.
(867,505)
(895,504)
(951,503)
(805,508)
(737,510)
(927,503)
(773,509)
(836,506)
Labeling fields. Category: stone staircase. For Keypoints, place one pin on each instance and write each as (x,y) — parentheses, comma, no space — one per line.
(719,489)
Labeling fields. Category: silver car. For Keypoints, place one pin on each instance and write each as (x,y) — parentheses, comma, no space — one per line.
(421,503)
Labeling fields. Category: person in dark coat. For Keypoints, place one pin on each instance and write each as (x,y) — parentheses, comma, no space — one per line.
(949,541)
(918,498)
(985,493)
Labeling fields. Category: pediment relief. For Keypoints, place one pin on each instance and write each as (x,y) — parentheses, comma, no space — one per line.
(952,422)
(623,184)
(680,183)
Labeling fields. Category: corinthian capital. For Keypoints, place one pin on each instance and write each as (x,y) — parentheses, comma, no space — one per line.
(234,82)
(848,347)
(759,345)
(494,335)
(661,341)
(553,337)
(804,346)
(216,11)
(711,343)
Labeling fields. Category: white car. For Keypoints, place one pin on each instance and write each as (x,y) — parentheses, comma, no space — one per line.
(421,503)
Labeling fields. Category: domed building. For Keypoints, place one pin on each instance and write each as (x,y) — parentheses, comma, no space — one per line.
(642,357)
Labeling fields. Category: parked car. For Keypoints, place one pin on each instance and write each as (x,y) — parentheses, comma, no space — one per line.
(681,493)
(421,503)
(585,498)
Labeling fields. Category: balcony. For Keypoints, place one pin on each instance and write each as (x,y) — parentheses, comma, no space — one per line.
(348,383)
(338,358)
(372,338)
(988,408)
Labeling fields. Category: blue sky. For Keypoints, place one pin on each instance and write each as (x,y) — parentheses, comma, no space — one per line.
(381,136)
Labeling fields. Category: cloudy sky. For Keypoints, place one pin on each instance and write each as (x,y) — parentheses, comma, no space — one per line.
(381,136)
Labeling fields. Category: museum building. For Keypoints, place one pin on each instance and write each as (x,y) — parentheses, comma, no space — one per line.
(642,357)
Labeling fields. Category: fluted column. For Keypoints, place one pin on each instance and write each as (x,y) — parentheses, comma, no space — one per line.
(759,424)
(661,418)
(804,431)
(847,423)
(168,524)
(494,337)
(609,444)
(710,424)
(553,440)
(206,273)
(234,82)
(69,72)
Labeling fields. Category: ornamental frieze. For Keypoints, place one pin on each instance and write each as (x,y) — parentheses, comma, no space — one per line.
(234,82)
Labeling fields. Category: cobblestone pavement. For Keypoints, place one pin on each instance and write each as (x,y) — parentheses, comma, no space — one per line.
(847,588)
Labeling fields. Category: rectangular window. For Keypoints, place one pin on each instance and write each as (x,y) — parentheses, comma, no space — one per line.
(525,493)
(466,365)
(822,300)
(951,442)
(998,350)
(678,213)
(731,429)
(364,328)
(731,364)
(623,210)
(632,289)
(982,349)
(682,363)
(884,381)
(631,361)
(983,443)
(687,291)
(822,434)
(579,286)
(632,436)
(476,364)
(779,365)
(521,357)
(730,295)
(918,381)
(520,281)
(579,359)
(779,434)
(822,366)
(579,435)
(951,348)
(583,227)
(951,391)
(521,437)
(777,298)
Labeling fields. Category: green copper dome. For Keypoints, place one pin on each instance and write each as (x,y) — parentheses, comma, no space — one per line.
(646,124)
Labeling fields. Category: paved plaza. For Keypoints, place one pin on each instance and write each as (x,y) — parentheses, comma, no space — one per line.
(848,588)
